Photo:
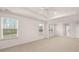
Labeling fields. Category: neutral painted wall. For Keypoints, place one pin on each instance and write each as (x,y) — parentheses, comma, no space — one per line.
(59,29)
(75,30)
(71,20)
(28,31)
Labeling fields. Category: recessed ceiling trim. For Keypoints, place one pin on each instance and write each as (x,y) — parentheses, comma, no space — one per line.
(63,15)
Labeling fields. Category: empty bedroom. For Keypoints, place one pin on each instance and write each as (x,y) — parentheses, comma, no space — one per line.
(39,29)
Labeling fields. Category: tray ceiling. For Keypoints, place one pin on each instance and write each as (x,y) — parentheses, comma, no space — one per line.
(47,13)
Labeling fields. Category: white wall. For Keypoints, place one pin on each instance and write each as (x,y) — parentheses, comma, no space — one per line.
(67,20)
(28,31)
(75,30)
(59,29)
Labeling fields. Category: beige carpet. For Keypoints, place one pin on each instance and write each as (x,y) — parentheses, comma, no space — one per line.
(53,45)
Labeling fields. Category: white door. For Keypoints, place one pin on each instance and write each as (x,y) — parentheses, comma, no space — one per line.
(67,30)
(52,30)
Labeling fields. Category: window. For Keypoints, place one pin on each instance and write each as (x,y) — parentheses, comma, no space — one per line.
(41,28)
(9,28)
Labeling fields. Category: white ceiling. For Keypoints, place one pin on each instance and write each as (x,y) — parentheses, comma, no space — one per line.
(54,12)
(49,13)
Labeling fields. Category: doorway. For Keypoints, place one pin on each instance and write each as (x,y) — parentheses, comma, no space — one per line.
(52,30)
(67,30)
